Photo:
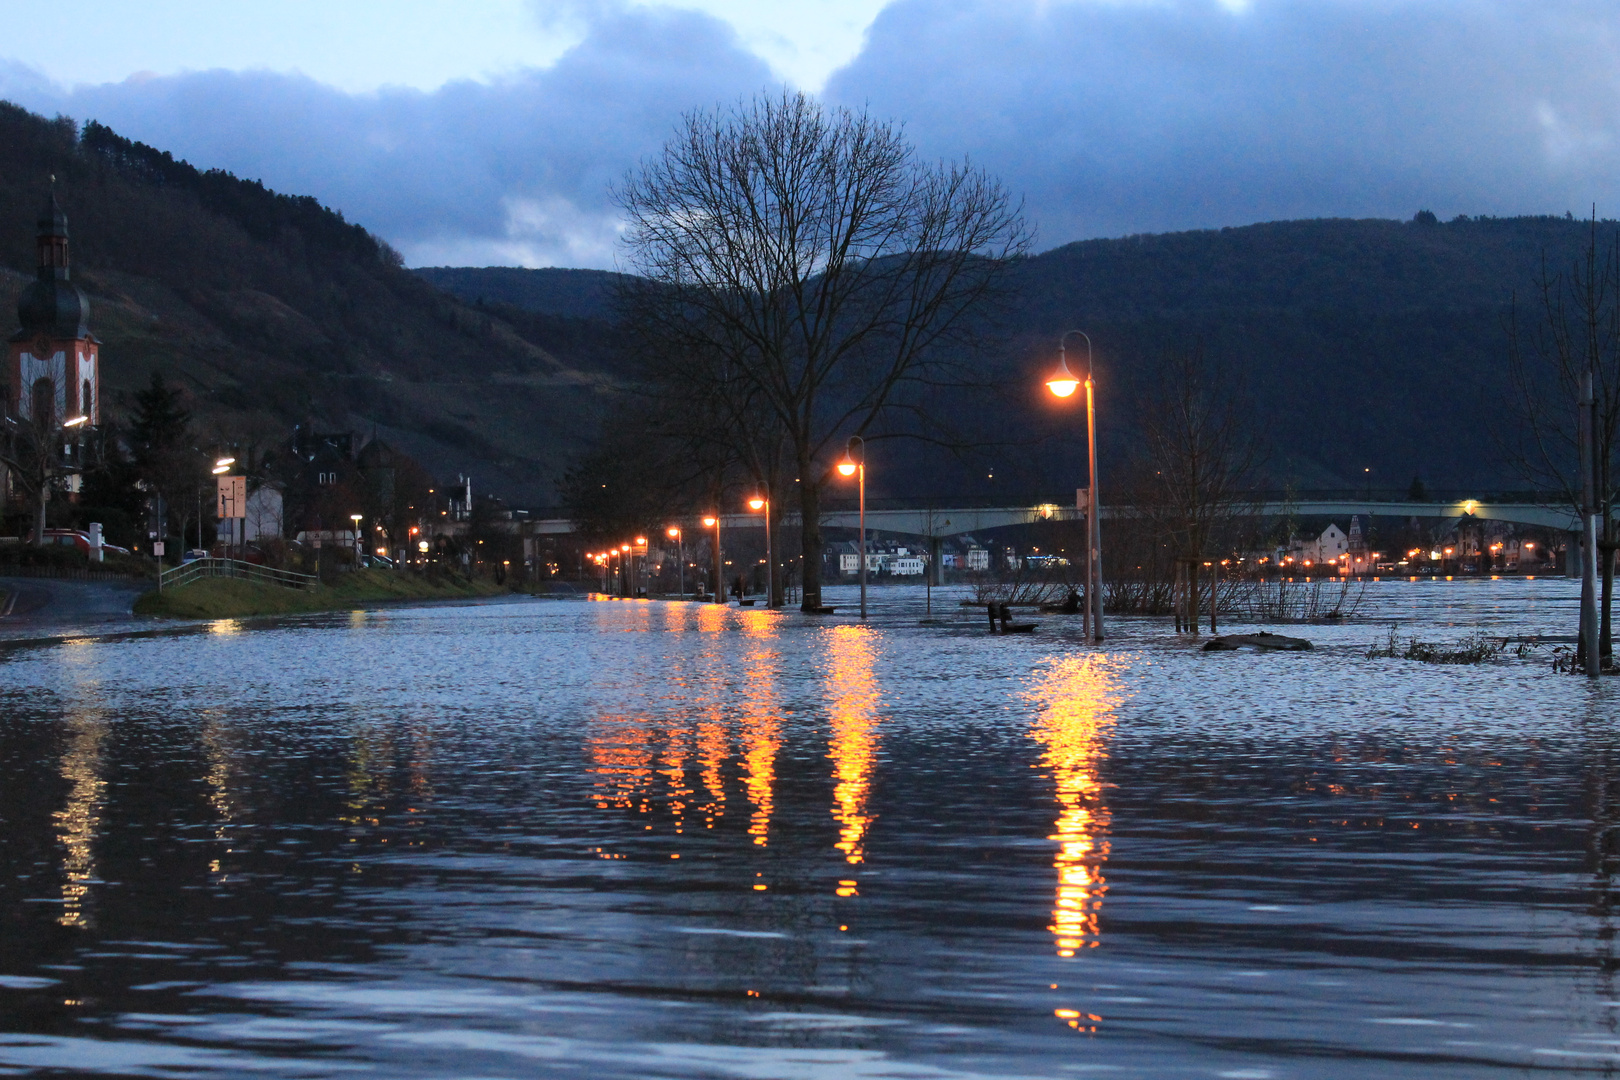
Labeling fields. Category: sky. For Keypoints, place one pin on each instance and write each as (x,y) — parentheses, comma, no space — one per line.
(490,133)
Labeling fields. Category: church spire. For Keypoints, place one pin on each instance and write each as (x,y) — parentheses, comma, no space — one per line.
(53,240)
(53,305)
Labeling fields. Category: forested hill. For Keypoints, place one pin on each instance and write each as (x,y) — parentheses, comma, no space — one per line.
(271,309)
(1356,344)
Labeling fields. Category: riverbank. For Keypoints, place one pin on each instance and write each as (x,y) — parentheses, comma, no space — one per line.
(230,598)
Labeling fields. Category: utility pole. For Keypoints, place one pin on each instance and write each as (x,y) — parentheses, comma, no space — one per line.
(1589,613)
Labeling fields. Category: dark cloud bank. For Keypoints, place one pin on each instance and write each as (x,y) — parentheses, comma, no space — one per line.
(1108,118)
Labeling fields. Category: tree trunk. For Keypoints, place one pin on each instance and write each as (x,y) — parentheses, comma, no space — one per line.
(1192,591)
(1606,553)
(809,537)
(39,519)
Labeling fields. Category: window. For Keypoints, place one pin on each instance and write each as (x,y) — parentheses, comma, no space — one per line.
(87,405)
(43,411)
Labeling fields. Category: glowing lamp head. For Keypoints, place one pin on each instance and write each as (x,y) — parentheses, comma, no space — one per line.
(710,522)
(1062,383)
(355,518)
(224,462)
(672,532)
(624,547)
(422,546)
(756,503)
(76,421)
(640,540)
(847,467)
(221,470)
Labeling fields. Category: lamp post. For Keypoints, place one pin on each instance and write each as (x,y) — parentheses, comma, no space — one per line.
(356,519)
(851,467)
(760,502)
(674,534)
(719,596)
(1063,383)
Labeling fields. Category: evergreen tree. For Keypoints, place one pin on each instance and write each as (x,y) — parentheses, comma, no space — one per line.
(165,459)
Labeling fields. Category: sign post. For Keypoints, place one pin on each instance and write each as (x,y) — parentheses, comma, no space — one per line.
(232,505)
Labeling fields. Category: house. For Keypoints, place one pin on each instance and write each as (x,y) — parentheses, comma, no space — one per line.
(1326,547)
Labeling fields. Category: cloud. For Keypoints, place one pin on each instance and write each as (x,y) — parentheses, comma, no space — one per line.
(1108,117)
(511,171)
(1114,118)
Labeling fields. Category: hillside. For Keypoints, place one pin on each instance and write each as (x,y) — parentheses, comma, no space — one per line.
(1360,345)
(272,310)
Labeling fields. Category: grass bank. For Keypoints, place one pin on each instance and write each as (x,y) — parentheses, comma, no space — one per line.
(230,598)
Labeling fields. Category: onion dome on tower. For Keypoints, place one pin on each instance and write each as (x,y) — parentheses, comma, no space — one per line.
(53,305)
(53,362)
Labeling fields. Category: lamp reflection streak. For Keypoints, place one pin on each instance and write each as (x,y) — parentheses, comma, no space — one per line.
(761,726)
(1077,697)
(854,696)
(80,818)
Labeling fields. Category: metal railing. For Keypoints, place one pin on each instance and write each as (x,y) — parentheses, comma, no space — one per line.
(232,568)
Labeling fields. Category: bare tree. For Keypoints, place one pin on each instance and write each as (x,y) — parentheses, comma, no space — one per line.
(1576,330)
(1200,456)
(808,270)
(31,449)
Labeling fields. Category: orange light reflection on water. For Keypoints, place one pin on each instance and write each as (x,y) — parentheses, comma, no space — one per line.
(853,701)
(1076,696)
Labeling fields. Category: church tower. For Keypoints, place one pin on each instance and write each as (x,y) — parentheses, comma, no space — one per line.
(52,366)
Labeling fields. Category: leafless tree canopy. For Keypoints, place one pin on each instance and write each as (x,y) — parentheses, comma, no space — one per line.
(1574,330)
(802,268)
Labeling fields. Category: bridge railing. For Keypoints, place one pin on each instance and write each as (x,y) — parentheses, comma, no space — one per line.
(232,568)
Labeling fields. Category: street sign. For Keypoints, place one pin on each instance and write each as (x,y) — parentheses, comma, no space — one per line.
(1080,498)
(232,497)
(157,549)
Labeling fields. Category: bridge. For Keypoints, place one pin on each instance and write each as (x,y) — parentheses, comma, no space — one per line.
(936,523)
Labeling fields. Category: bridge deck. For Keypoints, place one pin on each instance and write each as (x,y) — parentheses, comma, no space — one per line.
(956,521)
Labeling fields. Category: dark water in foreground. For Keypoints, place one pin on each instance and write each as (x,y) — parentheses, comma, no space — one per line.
(648,840)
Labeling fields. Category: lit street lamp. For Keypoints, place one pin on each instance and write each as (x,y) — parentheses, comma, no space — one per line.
(356,519)
(674,534)
(719,564)
(760,502)
(851,467)
(1063,383)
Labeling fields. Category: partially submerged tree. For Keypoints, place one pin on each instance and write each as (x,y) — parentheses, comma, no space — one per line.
(1576,330)
(803,271)
(1198,463)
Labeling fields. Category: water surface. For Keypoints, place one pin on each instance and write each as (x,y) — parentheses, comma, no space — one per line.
(629,839)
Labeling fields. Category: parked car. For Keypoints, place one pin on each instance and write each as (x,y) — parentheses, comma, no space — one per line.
(377,560)
(193,555)
(80,540)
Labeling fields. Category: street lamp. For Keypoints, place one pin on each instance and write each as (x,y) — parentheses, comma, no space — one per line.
(1063,384)
(851,467)
(719,564)
(356,519)
(674,533)
(760,502)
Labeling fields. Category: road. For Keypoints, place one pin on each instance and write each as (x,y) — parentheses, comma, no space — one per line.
(36,606)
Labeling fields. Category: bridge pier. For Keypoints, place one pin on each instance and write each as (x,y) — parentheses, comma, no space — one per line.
(936,564)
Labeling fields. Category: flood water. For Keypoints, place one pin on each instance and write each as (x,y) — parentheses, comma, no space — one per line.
(621,839)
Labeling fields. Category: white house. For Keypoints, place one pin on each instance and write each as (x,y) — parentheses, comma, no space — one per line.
(978,559)
(1325,548)
(263,514)
(906,566)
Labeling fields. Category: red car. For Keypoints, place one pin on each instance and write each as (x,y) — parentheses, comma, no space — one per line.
(80,540)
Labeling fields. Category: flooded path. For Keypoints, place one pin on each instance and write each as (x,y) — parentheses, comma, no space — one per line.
(615,839)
